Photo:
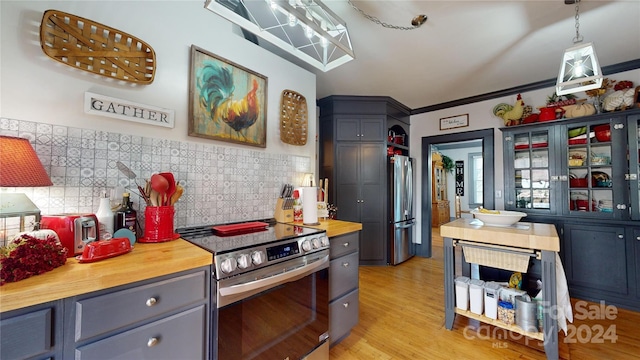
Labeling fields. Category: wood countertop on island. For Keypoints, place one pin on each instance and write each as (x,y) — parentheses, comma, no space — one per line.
(535,236)
(145,261)
(335,227)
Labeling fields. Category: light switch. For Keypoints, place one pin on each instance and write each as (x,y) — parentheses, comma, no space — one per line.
(498,194)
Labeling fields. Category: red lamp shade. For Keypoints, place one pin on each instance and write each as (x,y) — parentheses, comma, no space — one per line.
(19,164)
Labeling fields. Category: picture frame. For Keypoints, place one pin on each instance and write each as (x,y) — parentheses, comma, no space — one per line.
(227,101)
(453,122)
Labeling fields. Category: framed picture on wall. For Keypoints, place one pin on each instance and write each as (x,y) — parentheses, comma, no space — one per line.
(227,101)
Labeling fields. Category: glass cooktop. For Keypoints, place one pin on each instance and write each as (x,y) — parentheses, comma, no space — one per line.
(205,237)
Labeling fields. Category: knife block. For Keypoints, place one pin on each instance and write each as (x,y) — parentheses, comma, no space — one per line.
(283,215)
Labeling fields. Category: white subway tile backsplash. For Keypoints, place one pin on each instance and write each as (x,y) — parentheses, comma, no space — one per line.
(222,184)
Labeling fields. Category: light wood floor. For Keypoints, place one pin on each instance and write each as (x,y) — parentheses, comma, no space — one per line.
(402,317)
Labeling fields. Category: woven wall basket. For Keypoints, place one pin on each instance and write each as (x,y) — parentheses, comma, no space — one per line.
(293,118)
(96,48)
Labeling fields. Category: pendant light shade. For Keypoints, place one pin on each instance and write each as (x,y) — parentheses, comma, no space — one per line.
(579,70)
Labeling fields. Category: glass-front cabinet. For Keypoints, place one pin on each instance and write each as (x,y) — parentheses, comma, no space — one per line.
(634,166)
(586,167)
(530,176)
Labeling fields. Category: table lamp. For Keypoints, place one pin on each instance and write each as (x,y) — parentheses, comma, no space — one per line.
(19,167)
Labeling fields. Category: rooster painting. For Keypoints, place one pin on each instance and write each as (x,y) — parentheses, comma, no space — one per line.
(228,104)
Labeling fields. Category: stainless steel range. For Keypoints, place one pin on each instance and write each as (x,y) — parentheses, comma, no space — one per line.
(270,290)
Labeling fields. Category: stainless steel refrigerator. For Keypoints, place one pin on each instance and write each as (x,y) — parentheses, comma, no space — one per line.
(402,221)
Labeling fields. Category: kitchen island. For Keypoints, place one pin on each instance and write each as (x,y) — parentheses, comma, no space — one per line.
(539,240)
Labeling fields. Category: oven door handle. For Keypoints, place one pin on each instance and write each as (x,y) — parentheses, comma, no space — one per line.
(274,280)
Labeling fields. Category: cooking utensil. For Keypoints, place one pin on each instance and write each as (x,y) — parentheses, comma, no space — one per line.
(124,169)
(159,184)
(171,189)
(176,195)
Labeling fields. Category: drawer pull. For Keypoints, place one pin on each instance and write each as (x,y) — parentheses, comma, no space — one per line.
(152,342)
(345,264)
(346,305)
(151,301)
(345,244)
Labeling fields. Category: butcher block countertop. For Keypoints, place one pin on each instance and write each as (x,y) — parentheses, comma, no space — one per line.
(526,235)
(145,261)
(335,227)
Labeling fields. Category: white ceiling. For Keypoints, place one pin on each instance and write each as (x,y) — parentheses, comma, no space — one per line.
(470,48)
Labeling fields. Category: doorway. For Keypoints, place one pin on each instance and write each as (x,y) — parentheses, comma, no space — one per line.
(486,137)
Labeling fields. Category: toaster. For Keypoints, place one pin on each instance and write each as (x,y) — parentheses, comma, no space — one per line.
(74,230)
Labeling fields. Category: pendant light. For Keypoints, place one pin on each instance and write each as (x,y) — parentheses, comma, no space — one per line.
(579,70)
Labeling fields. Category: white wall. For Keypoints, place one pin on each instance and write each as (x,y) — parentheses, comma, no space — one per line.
(459,155)
(37,88)
(480,117)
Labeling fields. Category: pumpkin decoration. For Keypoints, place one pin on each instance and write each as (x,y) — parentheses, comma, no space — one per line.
(578,110)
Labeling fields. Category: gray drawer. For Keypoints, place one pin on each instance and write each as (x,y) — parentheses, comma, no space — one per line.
(104,313)
(344,244)
(26,335)
(343,316)
(180,336)
(343,275)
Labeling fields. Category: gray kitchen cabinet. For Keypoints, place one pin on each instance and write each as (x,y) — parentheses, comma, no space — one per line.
(343,285)
(164,317)
(635,238)
(608,244)
(179,336)
(353,135)
(565,172)
(32,333)
(361,184)
(360,129)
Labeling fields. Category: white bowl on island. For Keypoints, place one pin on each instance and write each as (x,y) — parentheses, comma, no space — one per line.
(503,218)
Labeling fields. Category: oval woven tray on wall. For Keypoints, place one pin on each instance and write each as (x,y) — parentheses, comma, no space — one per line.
(96,48)
(293,118)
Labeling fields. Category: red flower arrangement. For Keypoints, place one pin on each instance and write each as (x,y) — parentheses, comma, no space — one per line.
(27,256)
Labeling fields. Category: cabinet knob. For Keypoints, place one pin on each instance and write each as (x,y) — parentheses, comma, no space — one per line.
(618,126)
(621,206)
(346,305)
(345,244)
(151,301)
(152,342)
(638,238)
(346,264)
(620,236)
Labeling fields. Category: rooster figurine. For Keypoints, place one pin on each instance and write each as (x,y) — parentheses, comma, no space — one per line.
(216,97)
(510,114)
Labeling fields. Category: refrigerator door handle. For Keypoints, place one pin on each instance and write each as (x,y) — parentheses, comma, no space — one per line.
(408,225)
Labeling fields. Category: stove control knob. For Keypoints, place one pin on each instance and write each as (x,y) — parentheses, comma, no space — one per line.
(228,265)
(306,245)
(257,257)
(243,261)
(315,242)
(324,240)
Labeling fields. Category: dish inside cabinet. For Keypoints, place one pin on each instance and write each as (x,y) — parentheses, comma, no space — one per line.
(521,141)
(577,157)
(521,160)
(540,158)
